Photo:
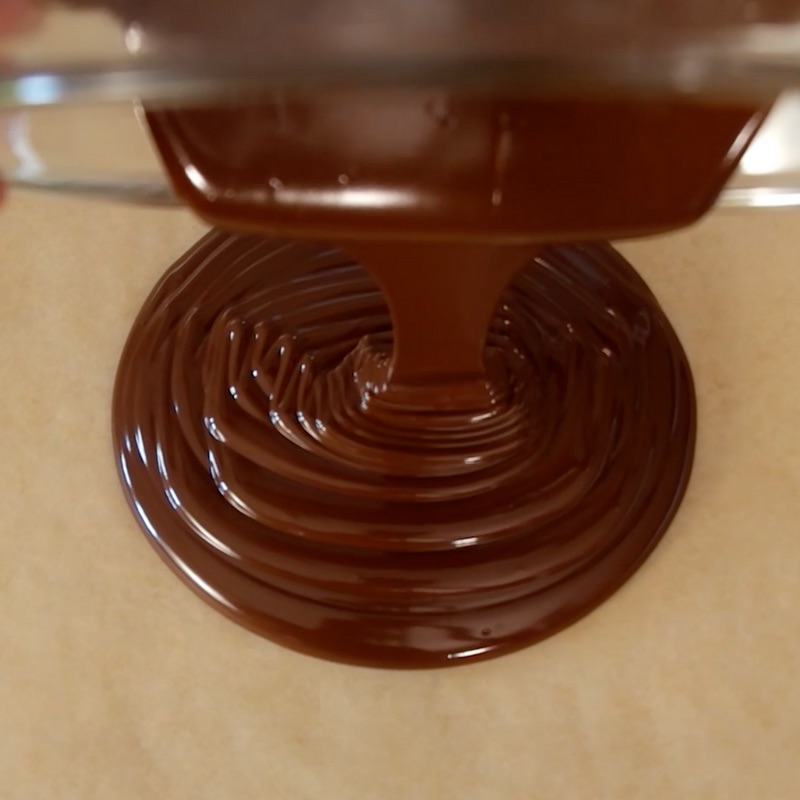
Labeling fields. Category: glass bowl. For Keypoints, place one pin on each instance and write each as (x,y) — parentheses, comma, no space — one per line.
(70,69)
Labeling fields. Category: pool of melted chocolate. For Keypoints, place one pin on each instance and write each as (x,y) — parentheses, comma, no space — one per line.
(444,437)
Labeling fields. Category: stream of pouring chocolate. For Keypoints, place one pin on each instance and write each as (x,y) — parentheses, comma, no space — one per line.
(444,438)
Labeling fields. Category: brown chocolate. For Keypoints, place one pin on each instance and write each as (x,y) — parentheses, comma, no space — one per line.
(444,440)
(266,464)
(403,163)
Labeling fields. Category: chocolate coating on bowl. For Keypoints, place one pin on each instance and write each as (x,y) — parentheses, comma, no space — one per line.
(402,163)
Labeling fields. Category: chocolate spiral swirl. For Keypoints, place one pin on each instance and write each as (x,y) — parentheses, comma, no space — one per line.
(272,464)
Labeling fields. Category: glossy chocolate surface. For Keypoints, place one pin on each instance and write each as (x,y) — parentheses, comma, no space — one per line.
(271,461)
(423,164)
(443,438)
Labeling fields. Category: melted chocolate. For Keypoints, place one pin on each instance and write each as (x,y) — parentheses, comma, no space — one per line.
(445,440)
(402,163)
(266,464)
